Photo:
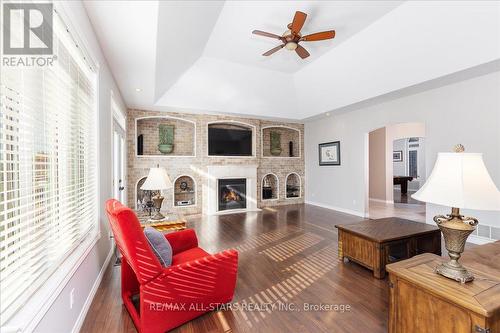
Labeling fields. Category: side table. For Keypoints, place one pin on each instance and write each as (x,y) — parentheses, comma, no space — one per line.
(422,301)
(171,222)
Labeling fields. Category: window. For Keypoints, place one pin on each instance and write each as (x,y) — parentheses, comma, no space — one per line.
(413,163)
(48,168)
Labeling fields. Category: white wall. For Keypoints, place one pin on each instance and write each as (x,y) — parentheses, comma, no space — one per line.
(60,318)
(466,112)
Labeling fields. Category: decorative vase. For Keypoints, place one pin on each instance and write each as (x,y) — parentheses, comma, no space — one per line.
(165,148)
(275,143)
(275,151)
(166,138)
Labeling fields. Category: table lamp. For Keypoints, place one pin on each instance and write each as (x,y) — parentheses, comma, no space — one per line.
(157,181)
(458,180)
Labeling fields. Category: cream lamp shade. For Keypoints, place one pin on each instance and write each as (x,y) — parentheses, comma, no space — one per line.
(158,179)
(460,180)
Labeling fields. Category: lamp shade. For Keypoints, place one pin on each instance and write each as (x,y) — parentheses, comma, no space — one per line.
(158,179)
(460,180)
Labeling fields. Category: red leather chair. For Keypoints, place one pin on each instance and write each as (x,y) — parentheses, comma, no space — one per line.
(168,297)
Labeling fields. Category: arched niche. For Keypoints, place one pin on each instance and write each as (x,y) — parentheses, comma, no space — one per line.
(293,186)
(280,142)
(184,191)
(229,125)
(140,195)
(270,187)
(148,137)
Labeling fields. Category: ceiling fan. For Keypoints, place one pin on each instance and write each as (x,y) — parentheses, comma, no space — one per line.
(292,36)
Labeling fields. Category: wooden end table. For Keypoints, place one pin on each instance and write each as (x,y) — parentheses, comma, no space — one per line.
(375,243)
(423,301)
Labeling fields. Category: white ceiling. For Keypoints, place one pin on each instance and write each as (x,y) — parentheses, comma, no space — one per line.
(232,39)
(200,56)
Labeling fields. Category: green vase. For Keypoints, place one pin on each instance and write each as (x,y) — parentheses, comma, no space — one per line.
(166,138)
(165,148)
(275,143)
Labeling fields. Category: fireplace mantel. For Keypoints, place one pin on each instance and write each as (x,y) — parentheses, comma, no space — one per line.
(210,188)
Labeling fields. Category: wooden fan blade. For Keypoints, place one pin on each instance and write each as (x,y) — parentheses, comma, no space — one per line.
(319,36)
(298,22)
(266,34)
(302,52)
(271,51)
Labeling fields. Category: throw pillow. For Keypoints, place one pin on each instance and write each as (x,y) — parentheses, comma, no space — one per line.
(160,245)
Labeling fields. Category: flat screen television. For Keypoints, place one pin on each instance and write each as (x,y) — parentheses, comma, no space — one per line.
(229,142)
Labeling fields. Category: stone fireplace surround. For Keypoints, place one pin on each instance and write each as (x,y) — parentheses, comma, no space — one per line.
(195,162)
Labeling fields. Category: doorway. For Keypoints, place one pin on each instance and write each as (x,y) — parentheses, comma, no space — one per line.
(118,162)
(408,169)
(395,170)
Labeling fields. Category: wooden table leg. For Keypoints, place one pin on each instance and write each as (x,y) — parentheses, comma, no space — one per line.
(340,249)
(392,304)
(378,261)
(404,187)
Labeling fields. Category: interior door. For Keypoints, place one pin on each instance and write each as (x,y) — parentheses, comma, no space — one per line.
(118,162)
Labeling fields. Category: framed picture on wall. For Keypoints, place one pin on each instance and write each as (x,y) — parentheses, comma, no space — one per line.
(329,153)
(397,156)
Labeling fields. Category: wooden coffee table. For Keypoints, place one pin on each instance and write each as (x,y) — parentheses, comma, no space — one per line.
(376,243)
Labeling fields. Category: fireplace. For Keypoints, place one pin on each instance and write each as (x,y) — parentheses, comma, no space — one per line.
(232,193)
(218,175)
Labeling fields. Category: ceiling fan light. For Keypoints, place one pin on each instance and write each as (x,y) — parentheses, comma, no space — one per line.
(291,46)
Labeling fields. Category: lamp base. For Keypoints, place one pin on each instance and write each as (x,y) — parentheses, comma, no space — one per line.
(157,200)
(455,228)
(157,216)
(459,274)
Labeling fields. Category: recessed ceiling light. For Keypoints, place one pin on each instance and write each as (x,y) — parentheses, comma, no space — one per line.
(327,114)
(138,89)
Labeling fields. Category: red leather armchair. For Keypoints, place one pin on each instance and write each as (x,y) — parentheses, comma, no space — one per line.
(168,297)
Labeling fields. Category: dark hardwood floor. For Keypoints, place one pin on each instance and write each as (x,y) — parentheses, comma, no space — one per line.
(288,260)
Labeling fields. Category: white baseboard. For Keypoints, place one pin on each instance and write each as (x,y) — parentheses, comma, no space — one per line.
(338,209)
(93,291)
(382,201)
(479,240)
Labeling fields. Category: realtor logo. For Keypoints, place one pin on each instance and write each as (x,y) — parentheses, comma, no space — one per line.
(27,28)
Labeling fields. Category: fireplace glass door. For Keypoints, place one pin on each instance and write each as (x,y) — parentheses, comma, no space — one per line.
(232,193)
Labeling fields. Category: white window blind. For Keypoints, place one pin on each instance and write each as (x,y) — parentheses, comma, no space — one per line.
(48,168)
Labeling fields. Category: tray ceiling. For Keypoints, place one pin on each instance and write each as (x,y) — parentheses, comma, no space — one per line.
(200,56)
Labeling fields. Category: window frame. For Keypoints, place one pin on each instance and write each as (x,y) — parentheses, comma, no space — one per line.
(28,316)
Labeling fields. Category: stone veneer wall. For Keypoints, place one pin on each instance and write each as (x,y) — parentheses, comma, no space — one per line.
(196,167)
